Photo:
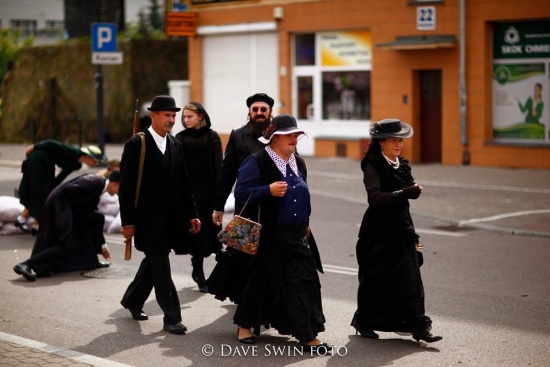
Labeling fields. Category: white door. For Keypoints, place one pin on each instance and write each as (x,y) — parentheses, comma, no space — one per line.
(235,67)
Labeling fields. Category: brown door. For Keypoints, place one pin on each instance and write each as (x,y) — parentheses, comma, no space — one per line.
(430,116)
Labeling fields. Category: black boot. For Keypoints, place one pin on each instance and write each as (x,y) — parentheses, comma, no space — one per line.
(198,273)
(422,331)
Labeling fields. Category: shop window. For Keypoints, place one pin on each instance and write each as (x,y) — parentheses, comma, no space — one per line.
(304,50)
(305,97)
(332,76)
(346,95)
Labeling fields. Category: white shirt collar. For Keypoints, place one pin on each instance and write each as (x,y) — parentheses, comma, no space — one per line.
(160,140)
(281,163)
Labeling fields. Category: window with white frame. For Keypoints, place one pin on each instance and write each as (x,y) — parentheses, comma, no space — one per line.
(341,61)
(26,26)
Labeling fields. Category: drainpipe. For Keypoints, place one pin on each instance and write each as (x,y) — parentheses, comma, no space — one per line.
(462,82)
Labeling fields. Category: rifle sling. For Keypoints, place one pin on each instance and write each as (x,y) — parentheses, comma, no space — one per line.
(140,169)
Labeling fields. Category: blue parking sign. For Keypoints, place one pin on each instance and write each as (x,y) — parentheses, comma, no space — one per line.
(104,37)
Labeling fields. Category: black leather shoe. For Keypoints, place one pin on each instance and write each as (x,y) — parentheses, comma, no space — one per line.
(248,340)
(201,282)
(103,264)
(25,271)
(320,349)
(136,314)
(178,328)
(22,226)
(369,334)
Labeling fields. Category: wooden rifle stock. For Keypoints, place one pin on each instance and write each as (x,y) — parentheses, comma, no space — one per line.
(128,242)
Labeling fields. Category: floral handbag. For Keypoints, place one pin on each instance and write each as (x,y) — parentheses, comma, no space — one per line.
(241,234)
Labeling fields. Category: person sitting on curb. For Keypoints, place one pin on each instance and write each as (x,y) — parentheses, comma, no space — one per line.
(71,233)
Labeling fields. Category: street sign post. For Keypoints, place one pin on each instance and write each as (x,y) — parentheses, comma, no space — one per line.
(104,45)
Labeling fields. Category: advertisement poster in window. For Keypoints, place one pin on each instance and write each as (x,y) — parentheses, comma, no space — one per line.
(521,98)
(346,49)
(346,61)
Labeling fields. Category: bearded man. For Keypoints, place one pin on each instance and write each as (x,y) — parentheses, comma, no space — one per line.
(232,269)
(242,143)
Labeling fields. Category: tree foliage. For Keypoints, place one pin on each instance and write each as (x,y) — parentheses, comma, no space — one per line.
(150,24)
(10,44)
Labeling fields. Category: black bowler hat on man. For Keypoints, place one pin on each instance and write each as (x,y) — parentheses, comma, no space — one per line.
(390,128)
(260,97)
(163,103)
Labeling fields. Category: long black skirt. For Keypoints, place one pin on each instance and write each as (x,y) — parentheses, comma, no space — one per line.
(283,290)
(229,276)
(391,294)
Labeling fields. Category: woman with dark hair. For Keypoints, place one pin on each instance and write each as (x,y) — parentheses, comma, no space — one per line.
(391,294)
(203,156)
(533,106)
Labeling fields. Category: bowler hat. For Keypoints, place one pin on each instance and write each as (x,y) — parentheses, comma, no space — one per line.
(260,97)
(93,152)
(163,103)
(114,176)
(390,128)
(281,125)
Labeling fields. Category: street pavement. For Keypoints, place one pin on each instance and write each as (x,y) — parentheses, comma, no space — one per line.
(504,200)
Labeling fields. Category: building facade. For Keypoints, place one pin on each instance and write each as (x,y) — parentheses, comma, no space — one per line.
(45,19)
(471,76)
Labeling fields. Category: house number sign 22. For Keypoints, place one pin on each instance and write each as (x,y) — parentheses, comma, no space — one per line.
(425,18)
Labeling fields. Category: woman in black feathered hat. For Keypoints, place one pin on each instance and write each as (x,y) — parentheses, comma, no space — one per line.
(203,156)
(391,295)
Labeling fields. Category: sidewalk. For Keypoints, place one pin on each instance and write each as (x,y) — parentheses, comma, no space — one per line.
(17,351)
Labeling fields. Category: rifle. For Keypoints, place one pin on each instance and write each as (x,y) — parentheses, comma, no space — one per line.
(128,242)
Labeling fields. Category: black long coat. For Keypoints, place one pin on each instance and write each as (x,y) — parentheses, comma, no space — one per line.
(241,144)
(38,170)
(70,220)
(166,200)
(203,155)
(391,293)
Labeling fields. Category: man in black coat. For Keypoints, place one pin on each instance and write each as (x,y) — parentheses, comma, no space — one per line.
(154,216)
(228,278)
(71,230)
(242,143)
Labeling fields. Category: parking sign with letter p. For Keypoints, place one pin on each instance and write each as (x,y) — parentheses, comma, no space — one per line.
(104,37)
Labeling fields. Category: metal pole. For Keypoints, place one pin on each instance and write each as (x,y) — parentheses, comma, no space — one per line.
(99,93)
(462,82)
(79,120)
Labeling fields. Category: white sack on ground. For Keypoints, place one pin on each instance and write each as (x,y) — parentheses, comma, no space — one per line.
(10,208)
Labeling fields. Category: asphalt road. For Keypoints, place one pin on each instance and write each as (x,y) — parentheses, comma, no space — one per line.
(486,290)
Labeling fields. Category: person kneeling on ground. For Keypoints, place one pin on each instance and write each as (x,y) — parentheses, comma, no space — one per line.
(71,230)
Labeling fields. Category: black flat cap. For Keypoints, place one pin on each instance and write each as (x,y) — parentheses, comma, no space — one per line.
(260,97)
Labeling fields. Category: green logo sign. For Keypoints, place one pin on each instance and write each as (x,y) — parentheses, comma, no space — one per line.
(525,40)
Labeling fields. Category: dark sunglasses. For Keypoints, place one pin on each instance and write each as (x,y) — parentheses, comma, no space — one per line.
(263,109)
